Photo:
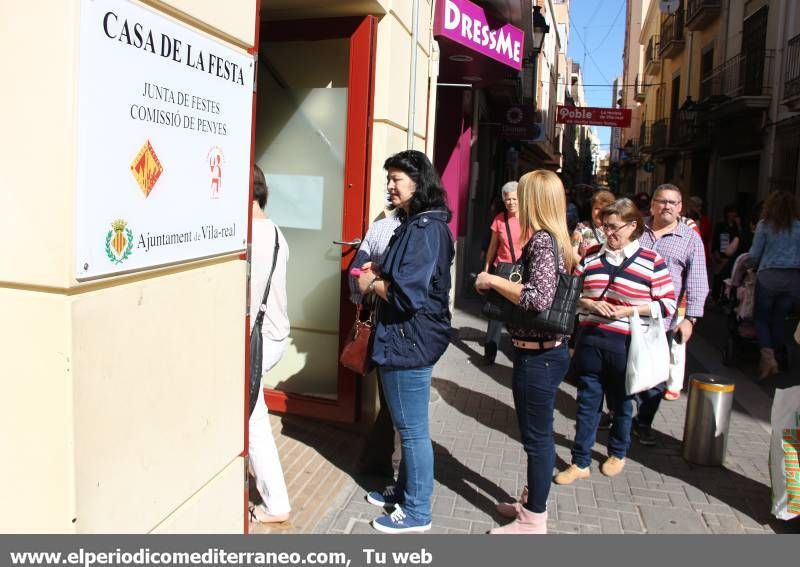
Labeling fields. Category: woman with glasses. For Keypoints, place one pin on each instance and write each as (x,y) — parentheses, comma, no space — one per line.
(504,248)
(619,277)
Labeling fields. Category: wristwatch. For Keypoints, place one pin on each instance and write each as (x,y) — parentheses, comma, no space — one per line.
(692,320)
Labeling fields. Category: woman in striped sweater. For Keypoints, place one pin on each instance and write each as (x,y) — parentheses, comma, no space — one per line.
(620,276)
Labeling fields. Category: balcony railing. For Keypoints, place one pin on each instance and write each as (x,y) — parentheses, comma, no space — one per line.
(688,130)
(646,136)
(672,39)
(652,59)
(660,134)
(700,13)
(747,74)
(792,86)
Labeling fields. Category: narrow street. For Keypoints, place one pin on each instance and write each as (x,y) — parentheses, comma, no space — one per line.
(480,461)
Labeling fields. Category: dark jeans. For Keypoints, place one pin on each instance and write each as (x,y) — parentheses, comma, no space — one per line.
(777,293)
(535,380)
(601,371)
(379,446)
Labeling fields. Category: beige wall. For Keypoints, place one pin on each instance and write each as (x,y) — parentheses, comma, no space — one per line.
(123,404)
(392,88)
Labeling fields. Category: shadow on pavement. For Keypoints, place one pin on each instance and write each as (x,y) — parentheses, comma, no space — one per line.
(486,407)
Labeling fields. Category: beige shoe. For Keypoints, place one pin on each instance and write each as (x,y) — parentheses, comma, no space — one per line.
(613,466)
(573,473)
(768,365)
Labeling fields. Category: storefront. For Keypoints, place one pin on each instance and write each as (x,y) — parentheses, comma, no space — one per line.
(488,129)
(333,103)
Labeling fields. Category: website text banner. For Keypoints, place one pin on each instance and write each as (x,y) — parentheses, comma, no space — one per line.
(593,116)
(164,125)
(476,550)
(469,25)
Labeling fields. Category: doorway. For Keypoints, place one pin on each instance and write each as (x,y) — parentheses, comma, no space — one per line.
(312,140)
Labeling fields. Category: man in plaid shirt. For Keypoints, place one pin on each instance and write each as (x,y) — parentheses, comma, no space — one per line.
(682,249)
(376,454)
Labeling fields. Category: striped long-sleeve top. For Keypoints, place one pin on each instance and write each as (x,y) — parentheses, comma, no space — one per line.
(646,280)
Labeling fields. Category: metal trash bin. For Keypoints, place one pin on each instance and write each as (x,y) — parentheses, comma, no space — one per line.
(708,416)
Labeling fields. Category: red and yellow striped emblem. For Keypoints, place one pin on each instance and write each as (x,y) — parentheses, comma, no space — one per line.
(146,168)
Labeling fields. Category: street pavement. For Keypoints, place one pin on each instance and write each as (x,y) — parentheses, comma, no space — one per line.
(479,460)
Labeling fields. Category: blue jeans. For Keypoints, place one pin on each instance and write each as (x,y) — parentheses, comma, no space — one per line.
(407,392)
(535,380)
(776,293)
(601,371)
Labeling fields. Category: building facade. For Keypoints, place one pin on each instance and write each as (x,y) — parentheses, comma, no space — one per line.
(718,113)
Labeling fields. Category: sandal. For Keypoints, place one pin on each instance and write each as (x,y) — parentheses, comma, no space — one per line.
(671,396)
(258,516)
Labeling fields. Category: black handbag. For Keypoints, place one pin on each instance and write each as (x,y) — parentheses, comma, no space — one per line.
(512,271)
(256,340)
(558,319)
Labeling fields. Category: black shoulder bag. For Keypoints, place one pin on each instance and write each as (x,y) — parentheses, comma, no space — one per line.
(559,318)
(256,340)
(495,305)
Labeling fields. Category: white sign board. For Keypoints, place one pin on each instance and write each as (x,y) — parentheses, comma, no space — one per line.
(163,141)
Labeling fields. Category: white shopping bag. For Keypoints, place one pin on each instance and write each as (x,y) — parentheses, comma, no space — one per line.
(784,452)
(648,356)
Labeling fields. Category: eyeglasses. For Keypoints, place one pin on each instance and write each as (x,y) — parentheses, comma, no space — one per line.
(665,202)
(612,228)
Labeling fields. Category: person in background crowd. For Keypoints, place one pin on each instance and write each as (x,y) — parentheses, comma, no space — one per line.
(540,359)
(412,331)
(776,255)
(264,458)
(589,233)
(726,245)
(682,250)
(504,226)
(573,208)
(696,212)
(376,456)
(620,276)
(642,202)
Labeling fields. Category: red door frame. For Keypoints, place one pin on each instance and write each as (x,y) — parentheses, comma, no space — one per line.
(362,32)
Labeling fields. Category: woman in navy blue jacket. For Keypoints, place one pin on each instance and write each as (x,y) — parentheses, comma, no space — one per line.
(412,330)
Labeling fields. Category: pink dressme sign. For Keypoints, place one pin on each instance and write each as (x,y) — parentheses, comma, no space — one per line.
(467,24)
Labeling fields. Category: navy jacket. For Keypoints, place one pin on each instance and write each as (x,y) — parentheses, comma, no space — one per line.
(413,324)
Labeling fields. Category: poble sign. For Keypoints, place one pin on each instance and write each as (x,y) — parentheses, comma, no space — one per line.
(467,24)
(593,116)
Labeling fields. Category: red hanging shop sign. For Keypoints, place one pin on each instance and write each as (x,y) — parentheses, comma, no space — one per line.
(593,116)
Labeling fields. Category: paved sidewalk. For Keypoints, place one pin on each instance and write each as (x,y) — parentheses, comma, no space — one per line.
(479,461)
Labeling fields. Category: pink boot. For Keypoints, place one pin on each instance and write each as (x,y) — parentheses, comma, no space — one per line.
(511,510)
(526,523)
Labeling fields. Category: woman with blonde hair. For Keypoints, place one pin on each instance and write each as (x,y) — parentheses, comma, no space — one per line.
(540,360)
